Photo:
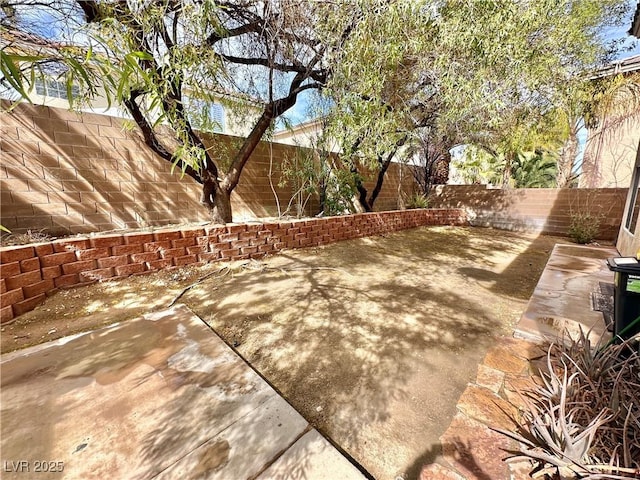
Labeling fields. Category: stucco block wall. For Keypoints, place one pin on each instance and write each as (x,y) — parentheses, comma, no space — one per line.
(610,154)
(28,273)
(534,209)
(66,174)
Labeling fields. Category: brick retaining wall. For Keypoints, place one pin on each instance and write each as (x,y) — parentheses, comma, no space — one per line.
(30,272)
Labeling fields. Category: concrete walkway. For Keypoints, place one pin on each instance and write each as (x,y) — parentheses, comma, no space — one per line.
(161,396)
(561,302)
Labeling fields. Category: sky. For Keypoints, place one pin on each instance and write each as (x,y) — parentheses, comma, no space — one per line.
(622,32)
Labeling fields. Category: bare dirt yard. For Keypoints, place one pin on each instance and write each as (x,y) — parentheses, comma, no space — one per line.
(372,340)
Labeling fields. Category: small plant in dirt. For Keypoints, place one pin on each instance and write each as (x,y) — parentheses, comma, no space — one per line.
(583,421)
(584,227)
(30,236)
(417,200)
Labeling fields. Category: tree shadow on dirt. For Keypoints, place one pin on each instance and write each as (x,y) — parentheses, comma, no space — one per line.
(372,341)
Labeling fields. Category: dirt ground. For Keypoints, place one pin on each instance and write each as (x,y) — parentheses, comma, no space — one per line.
(372,340)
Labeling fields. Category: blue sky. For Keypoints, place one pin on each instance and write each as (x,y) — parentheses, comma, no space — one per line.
(621,32)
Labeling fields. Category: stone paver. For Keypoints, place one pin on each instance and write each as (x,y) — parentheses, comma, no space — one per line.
(159,396)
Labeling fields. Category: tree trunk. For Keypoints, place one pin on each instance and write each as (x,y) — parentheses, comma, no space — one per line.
(567,159)
(221,209)
(384,166)
(506,173)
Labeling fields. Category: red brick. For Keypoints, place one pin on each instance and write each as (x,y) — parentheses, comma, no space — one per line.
(161,236)
(257,255)
(129,269)
(293,244)
(98,274)
(51,272)
(216,247)
(159,264)
(29,265)
(23,280)
(126,249)
(10,269)
(207,240)
(183,242)
(214,231)
(67,280)
(43,249)
(28,305)
(6,314)
(3,285)
(157,246)
(11,297)
(144,257)
(57,259)
(196,232)
(137,238)
(77,267)
(248,235)
(240,244)
(229,253)
(15,254)
(70,245)
(185,260)
(106,241)
(37,288)
(172,252)
(208,257)
(248,250)
(235,228)
(196,249)
(93,253)
(266,248)
(228,237)
(116,261)
(256,242)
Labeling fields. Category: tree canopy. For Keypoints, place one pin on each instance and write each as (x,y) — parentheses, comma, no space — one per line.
(395,73)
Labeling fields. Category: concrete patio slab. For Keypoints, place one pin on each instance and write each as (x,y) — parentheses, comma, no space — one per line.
(311,457)
(561,301)
(159,396)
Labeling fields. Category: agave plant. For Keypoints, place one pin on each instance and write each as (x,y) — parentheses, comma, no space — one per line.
(583,420)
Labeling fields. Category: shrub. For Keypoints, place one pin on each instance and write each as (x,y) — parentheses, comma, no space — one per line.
(584,227)
(583,421)
(417,200)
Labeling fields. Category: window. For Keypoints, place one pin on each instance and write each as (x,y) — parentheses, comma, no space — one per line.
(206,116)
(634,203)
(55,88)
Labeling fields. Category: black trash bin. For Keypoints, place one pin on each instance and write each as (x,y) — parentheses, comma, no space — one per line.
(626,300)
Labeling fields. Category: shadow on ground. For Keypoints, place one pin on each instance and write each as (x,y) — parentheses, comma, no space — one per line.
(372,340)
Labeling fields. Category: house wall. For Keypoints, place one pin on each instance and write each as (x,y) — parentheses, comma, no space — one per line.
(628,243)
(610,155)
(533,209)
(28,273)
